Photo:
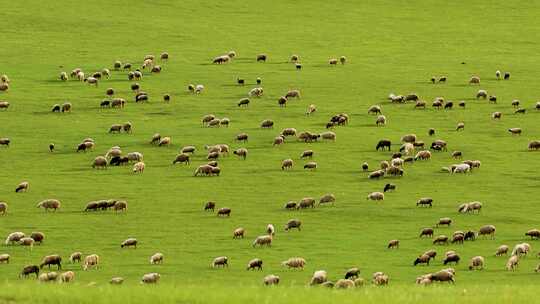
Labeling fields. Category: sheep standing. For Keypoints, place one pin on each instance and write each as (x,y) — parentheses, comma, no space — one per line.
(4,258)
(220,261)
(3,208)
(293,223)
(239,233)
(150,278)
(271,280)
(512,263)
(75,257)
(375,196)
(319,277)
(327,198)
(254,264)
(476,262)
(287,164)
(49,204)
(502,250)
(263,240)
(296,262)
(156,258)
(138,167)
(131,242)
(487,230)
(67,277)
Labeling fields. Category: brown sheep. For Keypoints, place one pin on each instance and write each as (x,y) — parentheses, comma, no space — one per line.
(534,145)
(293,223)
(487,230)
(533,233)
(426,232)
(474,80)
(444,221)
(51,260)
(242,152)
(393,244)
(49,204)
(181,158)
(441,239)
(224,212)
(287,164)
(267,124)
(306,202)
(255,264)
(239,233)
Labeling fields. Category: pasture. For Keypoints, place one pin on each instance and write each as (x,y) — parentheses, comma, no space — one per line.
(390,48)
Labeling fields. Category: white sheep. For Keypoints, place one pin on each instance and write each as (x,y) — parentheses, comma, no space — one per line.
(150,278)
(138,167)
(156,258)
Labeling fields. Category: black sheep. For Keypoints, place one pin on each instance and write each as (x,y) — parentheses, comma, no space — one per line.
(383,143)
(27,270)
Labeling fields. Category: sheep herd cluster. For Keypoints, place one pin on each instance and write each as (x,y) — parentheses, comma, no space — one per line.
(412,150)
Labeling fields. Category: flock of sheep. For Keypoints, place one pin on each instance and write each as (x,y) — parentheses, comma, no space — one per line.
(411,150)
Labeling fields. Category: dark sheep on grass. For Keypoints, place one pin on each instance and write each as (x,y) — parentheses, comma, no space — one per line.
(261,57)
(389,187)
(51,260)
(451,258)
(209,206)
(105,103)
(224,212)
(382,144)
(29,269)
(291,205)
(426,232)
(425,201)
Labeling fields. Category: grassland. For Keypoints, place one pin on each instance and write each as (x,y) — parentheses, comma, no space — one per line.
(391,47)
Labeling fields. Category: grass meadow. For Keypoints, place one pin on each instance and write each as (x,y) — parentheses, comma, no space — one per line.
(391,47)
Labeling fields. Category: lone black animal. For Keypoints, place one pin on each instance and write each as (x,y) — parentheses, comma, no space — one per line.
(105,103)
(261,57)
(240,81)
(383,143)
(389,187)
(51,147)
(298,66)
(470,236)
(506,76)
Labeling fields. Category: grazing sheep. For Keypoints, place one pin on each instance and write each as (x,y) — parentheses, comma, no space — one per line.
(292,94)
(67,276)
(537,106)
(131,242)
(376,174)
(380,279)
(48,277)
(4,105)
(311,109)
(411,97)
(293,223)
(421,104)
(243,102)
(29,269)
(291,205)
(492,99)
(506,75)
(255,264)
(271,280)
(533,233)
(209,206)
(332,61)
(521,249)
(344,284)
(426,232)
(375,196)
(181,158)
(461,168)
(515,103)
(381,120)
(474,80)
(394,171)
(287,164)
(423,155)
(441,239)
(165,141)
(267,124)
(278,140)
(374,109)
(150,278)
(51,260)
(261,57)
(319,277)
(409,138)
(515,131)
(224,212)
(199,89)
(156,258)
(37,237)
(49,204)
(4,141)
(342,59)
(481,94)
(295,262)
(502,250)
(534,145)
(118,103)
(328,136)
(91,80)
(383,143)
(256,92)
(487,230)
(457,154)
(512,263)
(220,261)
(460,126)
(393,244)
(262,241)
(327,198)
(307,154)
(91,261)
(425,201)
(241,152)
(3,208)
(306,203)
(423,259)
(4,258)
(75,257)
(22,187)
(135,156)
(127,127)
(138,167)
(4,87)
(476,262)
(310,166)
(389,187)
(365,166)
(238,233)
(242,137)
(120,206)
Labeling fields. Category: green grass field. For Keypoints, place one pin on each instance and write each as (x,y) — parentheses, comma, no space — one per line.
(391,47)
